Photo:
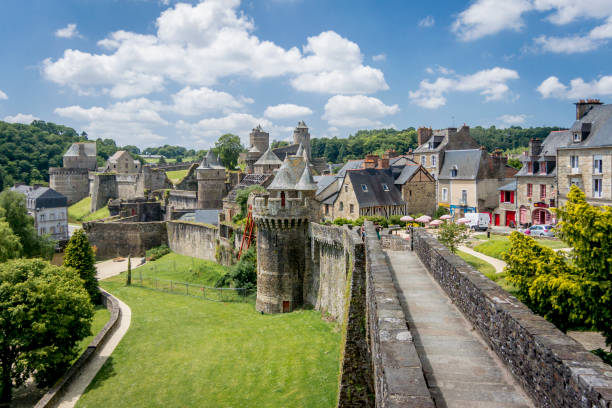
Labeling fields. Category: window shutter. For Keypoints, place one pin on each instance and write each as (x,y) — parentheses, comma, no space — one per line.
(501,197)
(512,197)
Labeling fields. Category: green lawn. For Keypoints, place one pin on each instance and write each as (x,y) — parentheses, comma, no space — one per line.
(79,212)
(498,244)
(176,175)
(181,268)
(477,263)
(101,316)
(186,352)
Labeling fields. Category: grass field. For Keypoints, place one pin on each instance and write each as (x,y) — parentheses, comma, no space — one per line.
(79,212)
(479,264)
(101,316)
(182,268)
(176,175)
(498,244)
(186,352)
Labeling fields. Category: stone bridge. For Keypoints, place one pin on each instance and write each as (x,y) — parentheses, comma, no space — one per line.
(440,334)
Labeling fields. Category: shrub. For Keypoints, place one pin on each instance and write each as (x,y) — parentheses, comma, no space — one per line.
(242,274)
(80,257)
(452,235)
(441,211)
(157,252)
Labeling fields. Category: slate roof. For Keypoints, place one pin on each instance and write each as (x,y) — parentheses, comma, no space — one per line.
(282,152)
(374,180)
(600,120)
(331,199)
(555,140)
(324,181)
(306,182)
(268,158)
(350,165)
(247,181)
(117,155)
(202,216)
(210,161)
(289,174)
(73,150)
(407,172)
(508,187)
(467,163)
(41,197)
(302,124)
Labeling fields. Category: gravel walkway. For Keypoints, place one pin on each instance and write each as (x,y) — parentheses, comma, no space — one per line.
(498,264)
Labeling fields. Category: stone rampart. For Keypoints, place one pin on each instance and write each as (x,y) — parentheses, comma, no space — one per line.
(192,239)
(394,243)
(114,239)
(183,199)
(397,371)
(73,183)
(190,181)
(104,187)
(554,369)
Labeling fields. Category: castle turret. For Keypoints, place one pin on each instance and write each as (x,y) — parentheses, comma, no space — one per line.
(259,139)
(211,182)
(282,219)
(302,136)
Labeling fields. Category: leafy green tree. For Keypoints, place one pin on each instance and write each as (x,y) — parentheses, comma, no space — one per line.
(162,160)
(128,281)
(10,247)
(516,163)
(44,313)
(80,256)
(243,274)
(452,235)
(228,148)
(441,211)
(242,196)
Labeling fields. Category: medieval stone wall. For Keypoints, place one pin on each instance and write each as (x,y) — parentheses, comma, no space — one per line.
(554,369)
(190,181)
(114,239)
(420,197)
(183,200)
(192,239)
(73,183)
(104,188)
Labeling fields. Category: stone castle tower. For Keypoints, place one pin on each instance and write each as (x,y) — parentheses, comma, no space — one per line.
(211,182)
(283,246)
(259,142)
(301,136)
(72,180)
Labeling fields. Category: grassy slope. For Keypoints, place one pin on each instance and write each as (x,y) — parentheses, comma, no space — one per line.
(183,269)
(499,244)
(79,212)
(176,175)
(479,264)
(181,351)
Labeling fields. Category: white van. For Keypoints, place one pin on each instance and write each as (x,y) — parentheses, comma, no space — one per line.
(478,221)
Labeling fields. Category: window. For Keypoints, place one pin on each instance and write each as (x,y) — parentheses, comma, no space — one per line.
(346,188)
(464,197)
(507,197)
(576,182)
(577,138)
(326,209)
(341,206)
(364,187)
(445,194)
(597,164)
(430,145)
(542,191)
(574,163)
(433,161)
(351,208)
(530,167)
(423,160)
(543,167)
(454,171)
(529,190)
(597,187)
(385,187)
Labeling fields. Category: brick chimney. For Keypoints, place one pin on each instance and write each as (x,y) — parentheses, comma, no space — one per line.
(391,153)
(584,106)
(535,147)
(371,161)
(423,135)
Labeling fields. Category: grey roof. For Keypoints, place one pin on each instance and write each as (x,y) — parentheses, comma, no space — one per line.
(210,161)
(599,118)
(89,148)
(117,155)
(350,165)
(302,124)
(306,183)
(202,216)
(41,197)
(467,163)
(300,150)
(324,181)
(254,149)
(268,158)
(375,180)
(400,161)
(247,181)
(555,140)
(407,173)
(331,199)
(289,174)
(508,187)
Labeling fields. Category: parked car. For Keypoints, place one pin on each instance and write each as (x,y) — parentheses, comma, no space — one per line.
(478,221)
(540,231)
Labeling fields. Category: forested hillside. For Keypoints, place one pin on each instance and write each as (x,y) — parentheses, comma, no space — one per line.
(27,151)
(510,138)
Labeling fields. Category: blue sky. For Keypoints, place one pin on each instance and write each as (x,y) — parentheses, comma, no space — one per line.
(153,72)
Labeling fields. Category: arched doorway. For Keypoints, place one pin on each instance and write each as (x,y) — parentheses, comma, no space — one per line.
(541,216)
(523,215)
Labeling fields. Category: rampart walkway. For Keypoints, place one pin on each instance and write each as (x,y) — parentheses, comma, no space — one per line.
(459,368)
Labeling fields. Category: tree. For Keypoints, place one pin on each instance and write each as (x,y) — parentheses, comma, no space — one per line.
(10,247)
(79,256)
(128,281)
(452,235)
(516,163)
(228,148)
(162,160)
(44,312)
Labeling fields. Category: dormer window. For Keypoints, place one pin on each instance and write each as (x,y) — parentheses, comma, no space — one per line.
(385,187)
(530,168)
(543,168)
(577,138)
(364,188)
(431,145)
(454,171)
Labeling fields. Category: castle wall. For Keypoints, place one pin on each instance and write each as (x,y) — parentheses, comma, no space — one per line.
(192,239)
(182,200)
(113,239)
(211,188)
(152,179)
(104,188)
(73,183)
(127,186)
(190,181)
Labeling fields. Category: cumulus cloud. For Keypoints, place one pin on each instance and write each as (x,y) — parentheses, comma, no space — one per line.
(427,22)
(379,57)
(206,131)
(489,82)
(511,120)
(196,45)
(190,101)
(287,110)
(356,111)
(577,43)
(70,31)
(486,17)
(567,11)
(3,95)
(551,87)
(24,118)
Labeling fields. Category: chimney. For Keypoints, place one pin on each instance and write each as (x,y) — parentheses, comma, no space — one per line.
(535,147)
(423,135)
(384,163)
(371,161)
(584,106)
(496,153)
(391,153)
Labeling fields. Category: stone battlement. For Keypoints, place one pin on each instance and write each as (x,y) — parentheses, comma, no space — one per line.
(66,171)
(269,208)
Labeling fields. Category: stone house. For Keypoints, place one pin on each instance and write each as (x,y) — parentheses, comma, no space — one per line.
(267,163)
(505,214)
(469,180)
(586,160)
(49,210)
(122,162)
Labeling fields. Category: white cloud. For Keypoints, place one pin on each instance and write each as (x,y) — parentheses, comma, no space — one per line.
(576,44)
(207,131)
(3,95)
(288,110)
(189,101)
(427,22)
(551,87)
(567,11)
(429,70)
(486,17)
(356,111)
(196,45)
(70,31)
(24,118)
(513,119)
(490,82)
(379,57)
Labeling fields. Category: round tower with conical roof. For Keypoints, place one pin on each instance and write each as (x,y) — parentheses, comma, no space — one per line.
(283,248)
(301,135)
(211,182)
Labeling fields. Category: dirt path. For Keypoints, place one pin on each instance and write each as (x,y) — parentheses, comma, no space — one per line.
(109,268)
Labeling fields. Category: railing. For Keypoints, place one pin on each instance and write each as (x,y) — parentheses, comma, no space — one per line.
(192,289)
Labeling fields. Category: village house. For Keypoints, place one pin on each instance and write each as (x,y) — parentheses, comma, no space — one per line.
(122,162)
(48,208)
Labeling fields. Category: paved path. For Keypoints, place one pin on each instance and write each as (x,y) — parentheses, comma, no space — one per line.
(460,369)
(498,264)
(77,387)
(109,268)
